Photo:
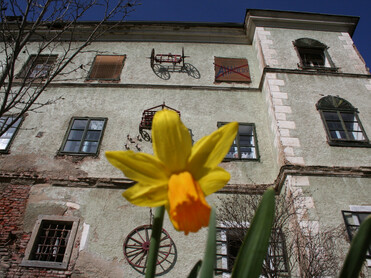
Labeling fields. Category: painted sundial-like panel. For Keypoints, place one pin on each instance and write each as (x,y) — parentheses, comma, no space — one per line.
(136,247)
(231,70)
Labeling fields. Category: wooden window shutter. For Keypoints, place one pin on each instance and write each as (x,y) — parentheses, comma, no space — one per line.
(231,70)
(107,67)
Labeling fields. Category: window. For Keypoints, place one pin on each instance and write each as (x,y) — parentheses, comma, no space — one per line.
(107,67)
(38,66)
(8,136)
(245,144)
(84,136)
(353,219)
(313,54)
(229,241)
(231,70)
(51,242)
(341,122)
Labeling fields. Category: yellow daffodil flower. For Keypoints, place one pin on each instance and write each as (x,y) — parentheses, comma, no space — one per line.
(178,175)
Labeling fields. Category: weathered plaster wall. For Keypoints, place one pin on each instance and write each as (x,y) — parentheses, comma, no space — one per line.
(200,111)
(280,51)
(303,92)
(137,69)
(110,219)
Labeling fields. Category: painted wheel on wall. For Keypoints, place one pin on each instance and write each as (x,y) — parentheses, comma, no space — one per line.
(161,71)
(136,247)
(192,71)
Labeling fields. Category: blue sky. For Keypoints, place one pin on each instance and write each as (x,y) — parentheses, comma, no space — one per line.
(234,11)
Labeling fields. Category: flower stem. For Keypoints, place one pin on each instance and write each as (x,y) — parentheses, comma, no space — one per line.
(155,242)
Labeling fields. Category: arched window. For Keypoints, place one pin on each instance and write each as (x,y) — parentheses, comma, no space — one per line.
(313,54)
(341,122)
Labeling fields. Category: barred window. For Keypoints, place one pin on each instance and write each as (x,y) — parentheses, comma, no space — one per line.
(107,67)
(38,66)
(51,242)
(8,136)
(83,136)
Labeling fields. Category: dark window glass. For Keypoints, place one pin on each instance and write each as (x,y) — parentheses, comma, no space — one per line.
(229,241)
(353,219)
(84,136)
(7,137)
(341,121)
(244,146)
(38,66)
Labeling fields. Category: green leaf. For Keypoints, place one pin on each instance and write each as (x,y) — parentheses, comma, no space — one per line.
(254,248)
(357,252)
(155,242)
(195,270)
(207,267)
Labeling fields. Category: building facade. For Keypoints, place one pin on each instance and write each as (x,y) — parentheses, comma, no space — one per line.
(294,81)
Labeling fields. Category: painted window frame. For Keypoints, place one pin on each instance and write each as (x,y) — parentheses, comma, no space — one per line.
(36,233)
(236,144)
(90,78)
(29,67)
(311,46)
(83,138)
(16,129)
(333,104)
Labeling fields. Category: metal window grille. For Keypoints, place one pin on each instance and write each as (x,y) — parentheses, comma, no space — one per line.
(352,220)
(52,241)
(107,67)
(38,66)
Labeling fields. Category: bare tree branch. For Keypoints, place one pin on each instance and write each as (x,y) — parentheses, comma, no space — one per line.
(51,26)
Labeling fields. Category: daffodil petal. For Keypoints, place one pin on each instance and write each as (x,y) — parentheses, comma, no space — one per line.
(211,149)
(147,195)
(172,142)
(140,167)
(214,180)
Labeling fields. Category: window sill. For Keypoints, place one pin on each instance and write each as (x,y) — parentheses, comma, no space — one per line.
(352,144)
(241,159)
(318,68)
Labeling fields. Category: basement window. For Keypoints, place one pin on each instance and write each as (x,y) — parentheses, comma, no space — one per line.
(51,242)
(84,136)
(107,67)
(7,138)
(38,66)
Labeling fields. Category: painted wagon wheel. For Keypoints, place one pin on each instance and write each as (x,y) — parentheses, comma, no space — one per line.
(192,71)
(161,72)
(136,247)
(145,135)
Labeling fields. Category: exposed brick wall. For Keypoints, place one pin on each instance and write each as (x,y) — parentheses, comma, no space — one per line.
(13,240)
